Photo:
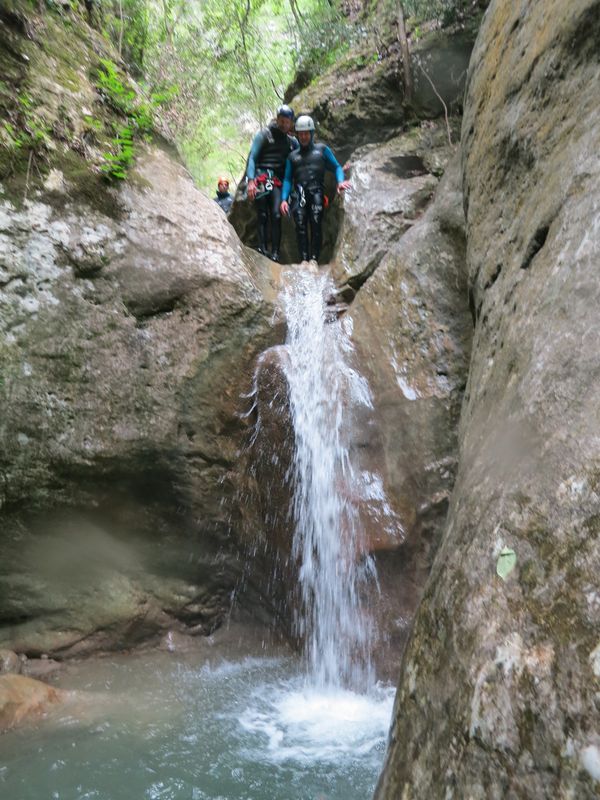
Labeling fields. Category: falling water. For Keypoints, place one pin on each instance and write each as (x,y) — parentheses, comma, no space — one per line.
(328,546)
(227,719)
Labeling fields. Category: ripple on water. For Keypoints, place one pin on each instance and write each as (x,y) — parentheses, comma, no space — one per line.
(246,729)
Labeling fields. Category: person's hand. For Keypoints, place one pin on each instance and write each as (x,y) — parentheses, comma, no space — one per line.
(343,185)
(285,208)
(251,188)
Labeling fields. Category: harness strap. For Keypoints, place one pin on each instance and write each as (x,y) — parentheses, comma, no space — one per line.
(265,178)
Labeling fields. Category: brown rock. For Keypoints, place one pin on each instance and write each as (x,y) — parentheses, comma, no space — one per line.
(392,185)
(412,331)
(22,698)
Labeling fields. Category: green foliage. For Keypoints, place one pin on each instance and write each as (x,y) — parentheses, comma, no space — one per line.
(214,70)
(26,131)
(324,36)
(92,124)
(10,138)
(139,113)
(117,163)
(111,86)
(447,12)
(218,67)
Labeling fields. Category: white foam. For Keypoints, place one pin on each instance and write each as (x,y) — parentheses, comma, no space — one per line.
(310,725)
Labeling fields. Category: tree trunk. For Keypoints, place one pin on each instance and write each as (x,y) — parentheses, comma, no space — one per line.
(168,31)
(405,52)
(121,25)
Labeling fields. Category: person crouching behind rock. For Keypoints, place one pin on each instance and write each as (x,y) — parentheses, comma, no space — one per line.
(266,165)
(305,171)
(223,198)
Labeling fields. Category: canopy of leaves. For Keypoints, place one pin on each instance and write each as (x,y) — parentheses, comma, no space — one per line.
(219,68)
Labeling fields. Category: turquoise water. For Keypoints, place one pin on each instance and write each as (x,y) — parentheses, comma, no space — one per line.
(189,727)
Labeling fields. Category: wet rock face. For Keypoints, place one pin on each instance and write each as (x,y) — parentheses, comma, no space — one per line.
(498,694)
(412,331)
(271,468)
(126,342)
(392,185)
(405,254)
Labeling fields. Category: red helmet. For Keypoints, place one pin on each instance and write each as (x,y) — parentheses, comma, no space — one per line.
(223,180)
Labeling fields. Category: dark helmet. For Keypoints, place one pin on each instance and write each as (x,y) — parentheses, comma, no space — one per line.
(285,111)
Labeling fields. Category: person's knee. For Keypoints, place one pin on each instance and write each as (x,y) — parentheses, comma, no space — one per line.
(262,214)
(299,217)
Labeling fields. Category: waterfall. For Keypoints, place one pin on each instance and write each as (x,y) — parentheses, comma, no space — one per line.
(328,544)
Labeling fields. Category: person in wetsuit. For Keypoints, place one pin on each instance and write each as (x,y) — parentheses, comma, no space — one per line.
(222,197)
(305,172)
(266,165)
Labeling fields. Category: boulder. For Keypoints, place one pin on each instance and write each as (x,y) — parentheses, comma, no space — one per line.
(439,64)
(498,696)
(24,698)
(392,185)
(127,340)
(9,662)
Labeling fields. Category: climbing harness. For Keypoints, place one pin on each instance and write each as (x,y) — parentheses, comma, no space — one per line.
(265,183)
(298,197)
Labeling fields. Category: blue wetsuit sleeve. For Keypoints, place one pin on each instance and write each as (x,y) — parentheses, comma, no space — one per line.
(287,180)
(255,149)
(333,165)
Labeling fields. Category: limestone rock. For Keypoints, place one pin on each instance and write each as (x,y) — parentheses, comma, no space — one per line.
(22,698)
(412,332)
(392,185)
(498,696)
(126,344)
(361,100)
(439,68)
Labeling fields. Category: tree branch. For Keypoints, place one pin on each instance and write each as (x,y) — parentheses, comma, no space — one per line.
(441,99)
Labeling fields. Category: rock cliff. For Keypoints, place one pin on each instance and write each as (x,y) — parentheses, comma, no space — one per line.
(130,317)
(499,685)
(126,344)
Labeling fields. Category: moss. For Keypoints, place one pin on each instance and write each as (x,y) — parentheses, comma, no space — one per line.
(522,500)
(531,575)
(86,187)
(49,131)
(561,619)
(527,720)
(592,525)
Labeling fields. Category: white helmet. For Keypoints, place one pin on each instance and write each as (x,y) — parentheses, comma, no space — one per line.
(304,123)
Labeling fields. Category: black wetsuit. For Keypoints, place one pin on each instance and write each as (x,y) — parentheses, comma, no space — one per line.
(225,200)
(268,153)
(305,170)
